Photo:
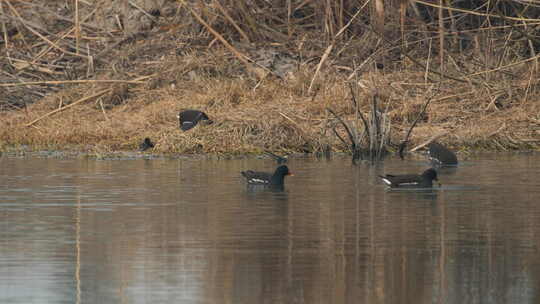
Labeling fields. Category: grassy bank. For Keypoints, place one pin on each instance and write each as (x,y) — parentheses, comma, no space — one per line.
(275,115)
(484,96)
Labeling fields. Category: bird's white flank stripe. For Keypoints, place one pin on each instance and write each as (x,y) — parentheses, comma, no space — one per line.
(256,180)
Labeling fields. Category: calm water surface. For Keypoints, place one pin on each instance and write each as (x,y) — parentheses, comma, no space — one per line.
(188,231)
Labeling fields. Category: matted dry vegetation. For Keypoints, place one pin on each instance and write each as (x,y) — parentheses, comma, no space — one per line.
(275,91)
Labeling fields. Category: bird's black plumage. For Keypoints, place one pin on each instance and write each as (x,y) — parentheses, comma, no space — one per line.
(190,118)
(146,144)
(275,179)
(439,155)
(424,180)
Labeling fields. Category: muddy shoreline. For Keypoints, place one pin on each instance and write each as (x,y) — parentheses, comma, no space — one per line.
(134,155)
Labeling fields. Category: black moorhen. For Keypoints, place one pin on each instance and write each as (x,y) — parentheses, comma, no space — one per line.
(439,155)
(190,118)
(267,179)
(425,180)
(146,144)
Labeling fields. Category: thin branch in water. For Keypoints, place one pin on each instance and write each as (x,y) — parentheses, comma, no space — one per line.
(406,140)
(340,138)
(364,121)
(347,129)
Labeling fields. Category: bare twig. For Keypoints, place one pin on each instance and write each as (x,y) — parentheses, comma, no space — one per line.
(472,12)
(103,109)
(77,28)
(341,138)
(418,63)
(357,106)
(298,127)
(4,30)
(90,66)
(231,20)
(368,59)
(323,59)
(142,10)
(428,62)
(23,64)
(406,140)
(70,82)
(23,22)
(331,46)
(427,142)
(375,117)
(441,36)
(46,50)
(347,129)
(243,58)
(41,7)
(502,127)
(68,106)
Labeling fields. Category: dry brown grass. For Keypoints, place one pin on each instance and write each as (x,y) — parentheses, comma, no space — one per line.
(277,115)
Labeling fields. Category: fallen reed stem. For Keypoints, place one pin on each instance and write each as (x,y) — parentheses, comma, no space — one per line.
(68,106)
(70,82)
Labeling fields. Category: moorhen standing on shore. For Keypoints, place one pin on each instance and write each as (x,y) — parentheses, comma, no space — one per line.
(190,118)
(146,144)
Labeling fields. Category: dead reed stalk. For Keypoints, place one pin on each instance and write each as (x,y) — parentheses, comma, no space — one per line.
(405,141)
(371,142)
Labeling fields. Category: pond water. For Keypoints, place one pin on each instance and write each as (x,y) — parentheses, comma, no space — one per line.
(189,231)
